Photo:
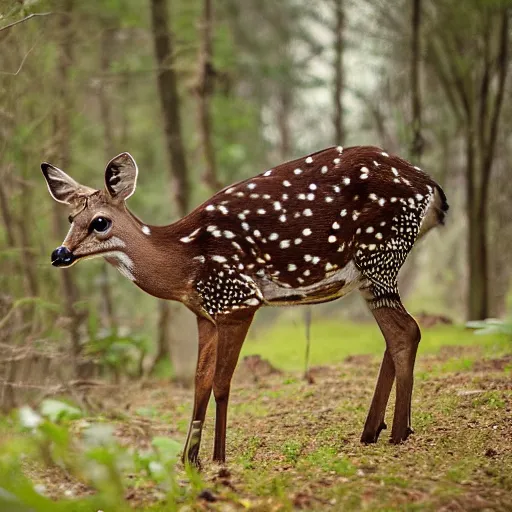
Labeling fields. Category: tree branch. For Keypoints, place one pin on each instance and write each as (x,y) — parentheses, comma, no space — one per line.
(26,18)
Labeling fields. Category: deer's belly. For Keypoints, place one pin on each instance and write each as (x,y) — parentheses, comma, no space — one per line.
(337,284)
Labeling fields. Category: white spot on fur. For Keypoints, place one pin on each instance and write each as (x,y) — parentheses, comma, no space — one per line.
(189,238)
(146,230)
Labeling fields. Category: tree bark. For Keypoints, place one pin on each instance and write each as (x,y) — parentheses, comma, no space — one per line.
(62,154)
(476,100)
(108,135)
(417,138)
(339,129)
(480,172)
(204,91)
(283,121)
(170,103)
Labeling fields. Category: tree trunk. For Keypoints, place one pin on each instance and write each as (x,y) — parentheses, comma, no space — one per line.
(283,121)
(204,91)
(62,154)
(339,130)
(109,316)
(170,103)
(417,138)
(480,171)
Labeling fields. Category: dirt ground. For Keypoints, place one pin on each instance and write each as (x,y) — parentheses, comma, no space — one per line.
(295,445)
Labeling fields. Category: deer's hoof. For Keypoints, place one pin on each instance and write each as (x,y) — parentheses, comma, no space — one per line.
(400,438)
(372,437)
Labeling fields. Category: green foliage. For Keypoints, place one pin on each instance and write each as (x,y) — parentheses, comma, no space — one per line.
(491,326)
(56,411)
(92,455)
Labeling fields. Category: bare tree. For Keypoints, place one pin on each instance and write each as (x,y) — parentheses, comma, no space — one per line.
(204,90)
(339,129)
(62,153)
(108,135)
(170,102)
(417,138)
(475,94)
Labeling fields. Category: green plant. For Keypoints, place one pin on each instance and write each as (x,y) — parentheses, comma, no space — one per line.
(491,326)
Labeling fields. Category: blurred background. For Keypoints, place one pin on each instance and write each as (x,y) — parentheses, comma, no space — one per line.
(206,92)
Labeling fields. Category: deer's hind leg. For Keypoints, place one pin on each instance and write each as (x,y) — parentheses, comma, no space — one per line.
(402,336)
(375,420)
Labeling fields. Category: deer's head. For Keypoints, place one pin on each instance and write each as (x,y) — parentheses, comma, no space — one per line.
(100,221)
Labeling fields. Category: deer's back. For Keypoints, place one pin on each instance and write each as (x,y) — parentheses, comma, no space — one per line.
(311,229)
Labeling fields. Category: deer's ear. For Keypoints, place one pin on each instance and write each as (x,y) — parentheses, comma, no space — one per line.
(121,176)
(62,187)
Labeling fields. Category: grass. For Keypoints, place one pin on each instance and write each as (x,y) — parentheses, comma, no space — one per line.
(333,341)
(294,445)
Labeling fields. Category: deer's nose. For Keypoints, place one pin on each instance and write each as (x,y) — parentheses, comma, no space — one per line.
(62,257)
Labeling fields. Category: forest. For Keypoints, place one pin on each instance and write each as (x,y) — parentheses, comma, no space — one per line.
(96,377)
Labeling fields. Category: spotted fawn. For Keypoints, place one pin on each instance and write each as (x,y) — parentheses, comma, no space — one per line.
(304,232)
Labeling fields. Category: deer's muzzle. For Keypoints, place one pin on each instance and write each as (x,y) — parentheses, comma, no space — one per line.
(62,257)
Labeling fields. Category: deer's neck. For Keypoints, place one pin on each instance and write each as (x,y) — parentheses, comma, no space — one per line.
(157,262)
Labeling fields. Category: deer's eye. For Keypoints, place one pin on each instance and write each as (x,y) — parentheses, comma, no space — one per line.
(100,224)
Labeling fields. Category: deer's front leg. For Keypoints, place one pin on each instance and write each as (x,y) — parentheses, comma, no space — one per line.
(232,330)
(205,371)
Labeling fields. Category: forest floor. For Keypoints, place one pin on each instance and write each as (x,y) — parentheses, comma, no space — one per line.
(294,444)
